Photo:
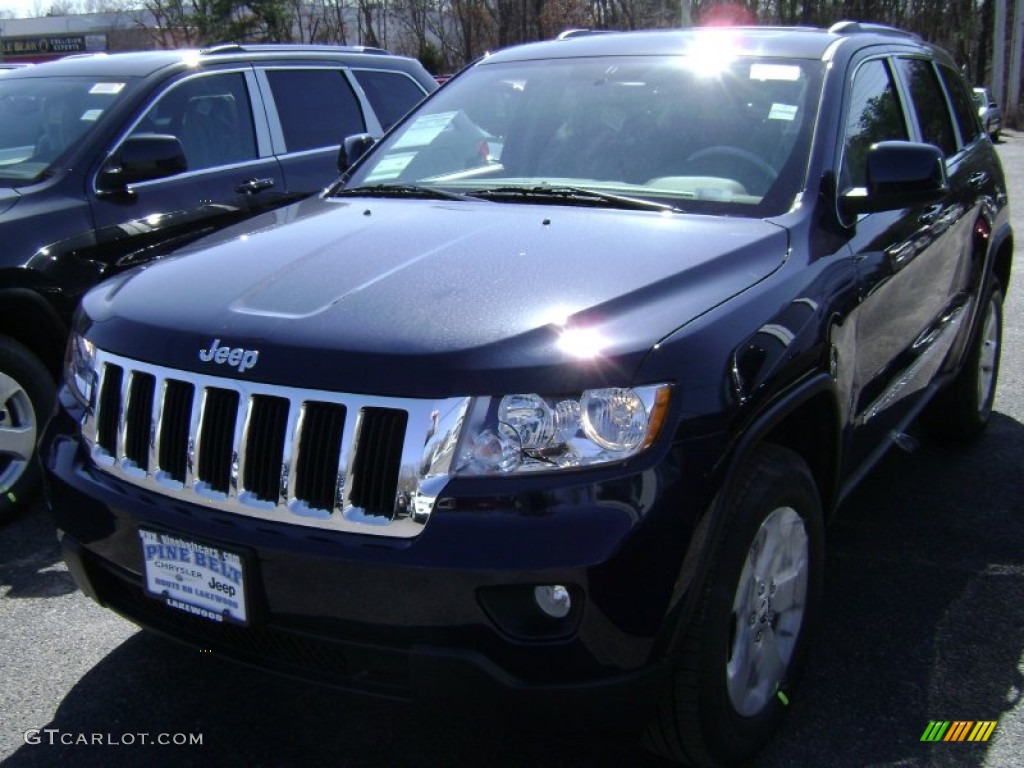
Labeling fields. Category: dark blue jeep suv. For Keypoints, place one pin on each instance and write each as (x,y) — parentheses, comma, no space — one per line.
(548,401)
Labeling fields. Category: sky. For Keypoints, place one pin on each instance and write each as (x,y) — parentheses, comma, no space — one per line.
(23,9)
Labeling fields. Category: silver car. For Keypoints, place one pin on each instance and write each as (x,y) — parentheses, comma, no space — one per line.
(989,112)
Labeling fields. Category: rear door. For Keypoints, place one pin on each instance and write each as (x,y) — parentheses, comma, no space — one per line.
(231,174)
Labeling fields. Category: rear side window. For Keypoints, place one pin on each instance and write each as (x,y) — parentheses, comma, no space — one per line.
(875,115)
(317,107)
(391,94)
(964,111)
(929,103)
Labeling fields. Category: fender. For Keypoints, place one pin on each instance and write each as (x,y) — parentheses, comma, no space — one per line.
(704,544)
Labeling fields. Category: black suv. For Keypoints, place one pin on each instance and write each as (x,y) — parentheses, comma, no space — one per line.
(107,161)
(547,403)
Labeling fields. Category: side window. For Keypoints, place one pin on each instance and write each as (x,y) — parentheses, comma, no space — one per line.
(964,111)
(391,94)
(929,103)
(211,116)
(317,107)
(874,116)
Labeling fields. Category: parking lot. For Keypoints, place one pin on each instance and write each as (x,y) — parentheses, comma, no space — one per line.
(923,621)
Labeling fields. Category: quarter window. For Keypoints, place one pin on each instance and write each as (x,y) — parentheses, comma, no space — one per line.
(874,116)
(929,104)
(964,111)
(391,94)
(317,107)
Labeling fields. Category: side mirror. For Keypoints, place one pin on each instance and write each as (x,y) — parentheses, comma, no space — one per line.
(352,149)
(142,157)
(899,174)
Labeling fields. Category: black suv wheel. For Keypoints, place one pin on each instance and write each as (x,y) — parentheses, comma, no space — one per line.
(26,396)
(745,649)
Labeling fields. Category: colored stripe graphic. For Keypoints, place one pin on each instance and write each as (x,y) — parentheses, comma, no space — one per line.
(959,730)
(982,731)
(935,731)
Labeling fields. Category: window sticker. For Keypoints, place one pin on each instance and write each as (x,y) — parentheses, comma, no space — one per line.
(91,115)
(785,112)
(391,167)
(787,72)
(424,130)
(107,89)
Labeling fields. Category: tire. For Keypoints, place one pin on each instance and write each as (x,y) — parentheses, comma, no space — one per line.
(962,410)
(746,646)
(27,393)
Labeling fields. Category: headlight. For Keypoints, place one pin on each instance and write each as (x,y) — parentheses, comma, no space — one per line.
(80,368)
(531,432)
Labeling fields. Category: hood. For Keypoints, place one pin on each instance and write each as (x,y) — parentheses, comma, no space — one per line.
(433,299)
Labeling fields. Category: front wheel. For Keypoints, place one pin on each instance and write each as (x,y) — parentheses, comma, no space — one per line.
(746,646)
(26,395)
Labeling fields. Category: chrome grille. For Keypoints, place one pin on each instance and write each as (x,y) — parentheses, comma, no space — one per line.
(307,457)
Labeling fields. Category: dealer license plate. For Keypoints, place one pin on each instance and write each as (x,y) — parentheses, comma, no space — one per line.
(195,578)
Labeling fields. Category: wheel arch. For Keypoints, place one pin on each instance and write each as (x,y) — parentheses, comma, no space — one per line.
(1002,258)
(31,321)
(804,420)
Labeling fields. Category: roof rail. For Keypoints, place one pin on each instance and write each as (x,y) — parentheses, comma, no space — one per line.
(568,34)
(860,27)
(287,47)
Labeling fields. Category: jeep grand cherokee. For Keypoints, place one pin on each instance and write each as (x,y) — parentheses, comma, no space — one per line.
(622,318)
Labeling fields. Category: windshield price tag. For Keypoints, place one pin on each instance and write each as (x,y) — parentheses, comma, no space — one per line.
(197,579)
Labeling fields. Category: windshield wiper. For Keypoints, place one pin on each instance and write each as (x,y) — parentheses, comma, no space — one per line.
(398,190)
(572,196)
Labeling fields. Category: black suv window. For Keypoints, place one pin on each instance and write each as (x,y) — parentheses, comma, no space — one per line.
(391,94)
(41,118)
(211,117)
(874,116)
(929,104)
(964,111)
(317,107)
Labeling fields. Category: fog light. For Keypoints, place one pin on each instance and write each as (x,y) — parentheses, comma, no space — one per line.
(554,600)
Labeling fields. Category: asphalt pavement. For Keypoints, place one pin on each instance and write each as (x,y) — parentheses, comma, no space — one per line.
(923,621)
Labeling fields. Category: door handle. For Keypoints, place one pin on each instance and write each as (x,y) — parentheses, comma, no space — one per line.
(252,186)
(978,180)
(930,215)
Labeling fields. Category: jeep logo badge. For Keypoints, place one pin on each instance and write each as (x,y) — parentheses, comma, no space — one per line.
(242,359)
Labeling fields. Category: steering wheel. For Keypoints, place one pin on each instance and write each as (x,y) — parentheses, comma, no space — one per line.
(736,153)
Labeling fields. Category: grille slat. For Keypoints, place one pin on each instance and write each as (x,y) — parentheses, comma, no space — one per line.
(319,454)
(175,421)
(378,460)
(264,447)
(108,413)
(139,419)
(217,438)
(276,453)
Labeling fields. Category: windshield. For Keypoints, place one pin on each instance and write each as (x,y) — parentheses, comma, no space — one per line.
(41,118)
(669,130)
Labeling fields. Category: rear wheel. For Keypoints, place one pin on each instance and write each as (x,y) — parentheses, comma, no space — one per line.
(963,409)
(26,395)
(746,646)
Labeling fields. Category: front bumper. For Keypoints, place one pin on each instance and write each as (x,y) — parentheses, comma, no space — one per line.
(447,616)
